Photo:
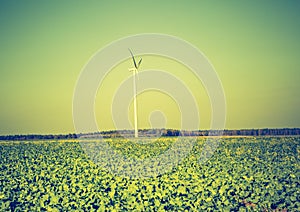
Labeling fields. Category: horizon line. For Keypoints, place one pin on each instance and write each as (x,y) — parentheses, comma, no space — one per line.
(187,130)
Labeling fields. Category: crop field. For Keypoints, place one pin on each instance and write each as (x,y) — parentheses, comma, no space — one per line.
(243,174)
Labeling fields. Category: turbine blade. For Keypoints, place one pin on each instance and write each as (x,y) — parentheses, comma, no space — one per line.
(133,58)
(139,63)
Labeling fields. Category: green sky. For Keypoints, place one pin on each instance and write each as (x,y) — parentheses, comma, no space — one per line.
(253,45)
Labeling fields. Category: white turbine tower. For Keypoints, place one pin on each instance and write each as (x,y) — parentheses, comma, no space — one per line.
(134,73)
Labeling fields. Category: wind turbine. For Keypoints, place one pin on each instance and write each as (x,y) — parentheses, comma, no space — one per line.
(134,73)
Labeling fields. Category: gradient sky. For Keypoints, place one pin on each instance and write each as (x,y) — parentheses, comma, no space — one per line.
(253,45)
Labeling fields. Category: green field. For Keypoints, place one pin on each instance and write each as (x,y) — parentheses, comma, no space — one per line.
(243,174)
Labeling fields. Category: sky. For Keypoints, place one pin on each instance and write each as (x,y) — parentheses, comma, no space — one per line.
(253,45)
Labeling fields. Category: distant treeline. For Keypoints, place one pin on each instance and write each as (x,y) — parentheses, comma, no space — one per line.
(37,137)
(160,132)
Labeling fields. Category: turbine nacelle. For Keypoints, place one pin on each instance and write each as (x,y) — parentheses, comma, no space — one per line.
(132,69)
